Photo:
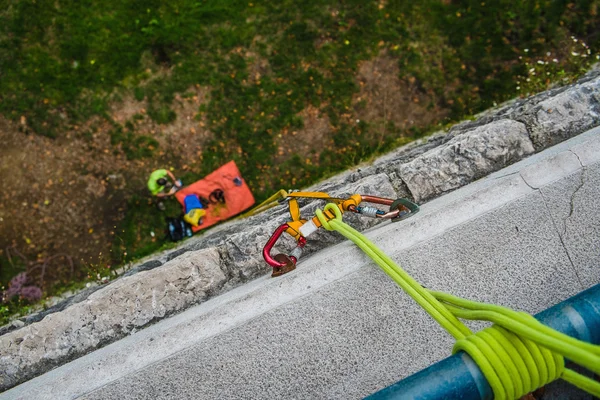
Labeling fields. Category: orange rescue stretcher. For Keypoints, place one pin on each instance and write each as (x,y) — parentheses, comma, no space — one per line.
(223,194)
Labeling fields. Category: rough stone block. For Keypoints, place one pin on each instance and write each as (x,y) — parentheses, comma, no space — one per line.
(565,115)
(244,250)
(109,314)
(465,158)
(148,265)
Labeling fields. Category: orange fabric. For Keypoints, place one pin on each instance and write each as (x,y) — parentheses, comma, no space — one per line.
(237,198)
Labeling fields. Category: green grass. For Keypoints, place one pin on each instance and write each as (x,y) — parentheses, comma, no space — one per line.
(63,62)
(71,55)
(13,309)
(134,147)
(134,238)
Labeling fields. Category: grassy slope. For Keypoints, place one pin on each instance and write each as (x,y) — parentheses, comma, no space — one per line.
(63,62)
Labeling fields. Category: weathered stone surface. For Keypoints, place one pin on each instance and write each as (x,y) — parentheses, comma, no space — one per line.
(524,109)
(176,253)
(106,315)
(465,158)
(244,249)
(38,316)
(147,266)
(565,115)
(410,151)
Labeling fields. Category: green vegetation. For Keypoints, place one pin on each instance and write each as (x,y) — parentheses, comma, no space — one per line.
(133,239)
(61,61)
(264,62)
(13,308)
(134,146)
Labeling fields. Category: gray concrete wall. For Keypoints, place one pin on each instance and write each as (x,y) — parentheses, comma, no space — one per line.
(525,237)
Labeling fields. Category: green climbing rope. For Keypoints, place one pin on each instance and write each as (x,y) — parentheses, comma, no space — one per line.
(517,354)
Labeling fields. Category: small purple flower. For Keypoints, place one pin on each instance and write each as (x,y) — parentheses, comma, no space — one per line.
(16,288)
(31,293)
(19,280)
(15,285)
(11,292)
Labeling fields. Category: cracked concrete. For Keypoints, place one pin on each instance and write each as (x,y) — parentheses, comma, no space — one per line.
(561,235)
(581,183)
(572,201)
(560,198)
(574,207)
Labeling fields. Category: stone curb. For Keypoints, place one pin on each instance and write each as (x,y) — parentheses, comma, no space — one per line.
(230,255)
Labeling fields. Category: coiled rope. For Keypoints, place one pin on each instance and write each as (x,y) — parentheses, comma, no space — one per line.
(517,354)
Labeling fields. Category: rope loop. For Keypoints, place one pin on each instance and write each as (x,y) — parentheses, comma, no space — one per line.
(323,220)
(513,365)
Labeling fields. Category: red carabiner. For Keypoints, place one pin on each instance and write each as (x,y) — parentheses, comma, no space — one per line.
(282,263)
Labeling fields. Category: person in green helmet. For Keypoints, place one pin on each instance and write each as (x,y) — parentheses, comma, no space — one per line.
(159,184)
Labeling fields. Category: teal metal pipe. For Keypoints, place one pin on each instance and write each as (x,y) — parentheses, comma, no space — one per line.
(458,377)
